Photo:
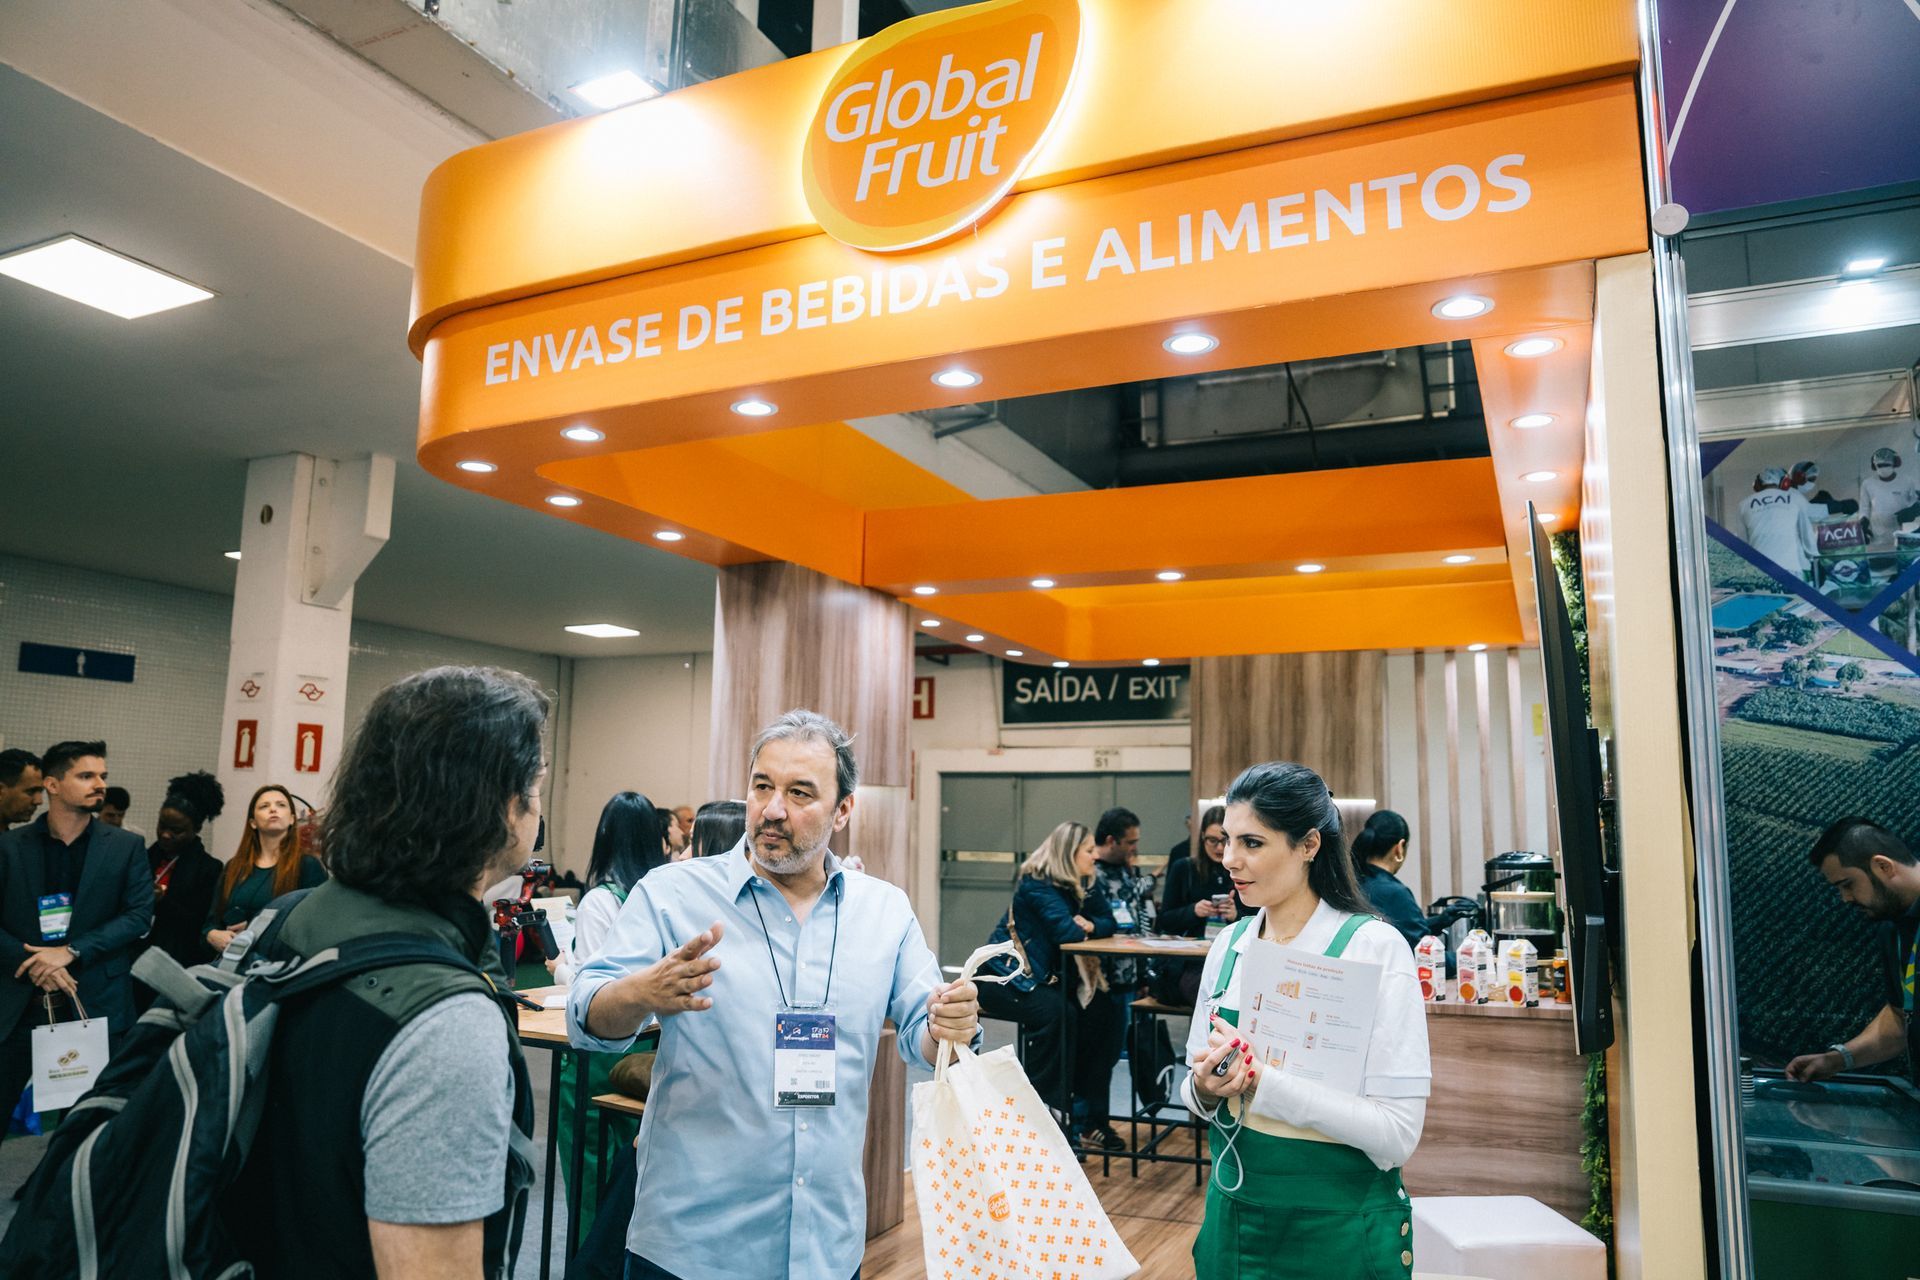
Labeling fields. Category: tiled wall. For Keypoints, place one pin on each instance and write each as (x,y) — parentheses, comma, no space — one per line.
(168,720)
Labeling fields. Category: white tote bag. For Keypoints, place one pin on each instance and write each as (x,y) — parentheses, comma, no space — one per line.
(67,1058)
(1000,1193)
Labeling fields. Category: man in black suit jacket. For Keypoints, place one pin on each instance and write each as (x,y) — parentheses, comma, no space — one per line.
(76,895)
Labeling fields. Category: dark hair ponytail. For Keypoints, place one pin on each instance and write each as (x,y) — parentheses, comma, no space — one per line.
(1293,799)
(1384,830)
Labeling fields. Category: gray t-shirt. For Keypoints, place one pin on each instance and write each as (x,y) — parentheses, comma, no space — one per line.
(435,1117)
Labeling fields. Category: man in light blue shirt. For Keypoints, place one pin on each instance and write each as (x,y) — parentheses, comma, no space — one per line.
(750,1159)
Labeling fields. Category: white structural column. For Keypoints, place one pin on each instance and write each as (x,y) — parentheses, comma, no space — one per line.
(309,527)
(835,22)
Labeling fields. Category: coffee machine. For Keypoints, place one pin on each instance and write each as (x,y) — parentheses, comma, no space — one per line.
(1520,899)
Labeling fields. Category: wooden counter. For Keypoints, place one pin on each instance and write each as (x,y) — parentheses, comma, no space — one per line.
(1504,1118)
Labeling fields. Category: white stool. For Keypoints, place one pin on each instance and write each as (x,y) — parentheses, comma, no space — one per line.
(1502,1238)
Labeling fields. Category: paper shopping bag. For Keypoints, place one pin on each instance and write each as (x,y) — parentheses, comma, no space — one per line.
(67,1058)
(1000,1193)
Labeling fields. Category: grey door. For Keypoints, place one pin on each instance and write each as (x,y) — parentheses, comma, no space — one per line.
(979,852)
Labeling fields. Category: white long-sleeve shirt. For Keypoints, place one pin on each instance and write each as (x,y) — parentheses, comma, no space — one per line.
(592,922)
(1385,1120)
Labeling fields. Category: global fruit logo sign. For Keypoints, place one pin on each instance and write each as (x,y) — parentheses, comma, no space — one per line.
(930,123)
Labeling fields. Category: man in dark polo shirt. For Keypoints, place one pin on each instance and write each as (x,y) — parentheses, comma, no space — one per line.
(1876,873)
(76,895)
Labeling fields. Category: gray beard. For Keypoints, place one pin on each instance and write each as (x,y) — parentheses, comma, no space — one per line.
(791,865)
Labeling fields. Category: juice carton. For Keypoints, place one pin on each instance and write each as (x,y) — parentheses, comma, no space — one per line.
(1430,963)
(1520,969)
(1475,962)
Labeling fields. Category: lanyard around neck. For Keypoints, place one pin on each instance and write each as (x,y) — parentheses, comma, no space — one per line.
(826,997)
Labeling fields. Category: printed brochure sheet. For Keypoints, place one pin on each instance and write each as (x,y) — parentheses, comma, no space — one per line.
(1309,1015)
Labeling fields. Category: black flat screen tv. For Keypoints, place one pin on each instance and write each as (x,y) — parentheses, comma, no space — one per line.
(1575,807)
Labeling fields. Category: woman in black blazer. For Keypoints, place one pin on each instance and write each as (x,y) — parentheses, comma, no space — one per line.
(1051,905)
(184,873)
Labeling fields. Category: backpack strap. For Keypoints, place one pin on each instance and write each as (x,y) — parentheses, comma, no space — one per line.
(363,955)
(1347,930)
(1232,960)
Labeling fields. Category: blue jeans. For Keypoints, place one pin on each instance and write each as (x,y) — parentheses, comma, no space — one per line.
(638,1268)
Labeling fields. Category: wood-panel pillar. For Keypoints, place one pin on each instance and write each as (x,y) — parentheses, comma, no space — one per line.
(1324,710)
(787,637)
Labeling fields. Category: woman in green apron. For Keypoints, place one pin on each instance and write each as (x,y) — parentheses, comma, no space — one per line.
(1306,1180)
(630,841)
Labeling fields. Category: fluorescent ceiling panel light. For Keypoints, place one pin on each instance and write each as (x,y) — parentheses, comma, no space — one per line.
(620,88)
(86,272)
(603,631)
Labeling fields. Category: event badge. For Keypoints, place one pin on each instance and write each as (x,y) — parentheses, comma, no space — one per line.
(803,1059)
(56,915)
(1122,915)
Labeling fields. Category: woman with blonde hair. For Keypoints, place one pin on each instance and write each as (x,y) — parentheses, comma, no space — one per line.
(1050,906)
(271,861)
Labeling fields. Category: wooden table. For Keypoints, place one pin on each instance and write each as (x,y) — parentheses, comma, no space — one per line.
(547,1029)
(1138,946)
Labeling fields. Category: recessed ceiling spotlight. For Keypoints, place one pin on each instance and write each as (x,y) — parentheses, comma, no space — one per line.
(1540,477)
(1548,517)
(1528,421)
(563,500)
(1191,344)
(1462,306)
(956,379)
(1016,653)
(231,555)
(1061,662)
(1476,648)
(1863,267)
(603,631)
(929,622)
(1531,348)
(1459,559)
(87,273)
(975,638)
(1149,662)
(1169,575)
(1041,584)
(620,88)
(584,435)
(1308,568)
(668,535)
(477,468)
(926,591)
(751,408)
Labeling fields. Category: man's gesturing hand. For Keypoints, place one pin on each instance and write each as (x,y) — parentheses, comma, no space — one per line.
(673,983)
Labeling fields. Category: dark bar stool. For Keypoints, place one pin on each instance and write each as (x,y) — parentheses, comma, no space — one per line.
(1162,1119)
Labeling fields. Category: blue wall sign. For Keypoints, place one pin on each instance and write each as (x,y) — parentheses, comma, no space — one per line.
(85,664)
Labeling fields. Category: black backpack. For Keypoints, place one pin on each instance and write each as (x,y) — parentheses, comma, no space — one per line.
(1150,1060)
(132,1181)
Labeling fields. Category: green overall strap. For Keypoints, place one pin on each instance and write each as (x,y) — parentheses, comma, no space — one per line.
(1347,930)
(1225,975)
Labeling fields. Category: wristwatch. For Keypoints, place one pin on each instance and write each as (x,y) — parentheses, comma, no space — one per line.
(1846,1055)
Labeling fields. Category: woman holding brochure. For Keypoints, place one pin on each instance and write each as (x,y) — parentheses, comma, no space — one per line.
(1307,1140)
